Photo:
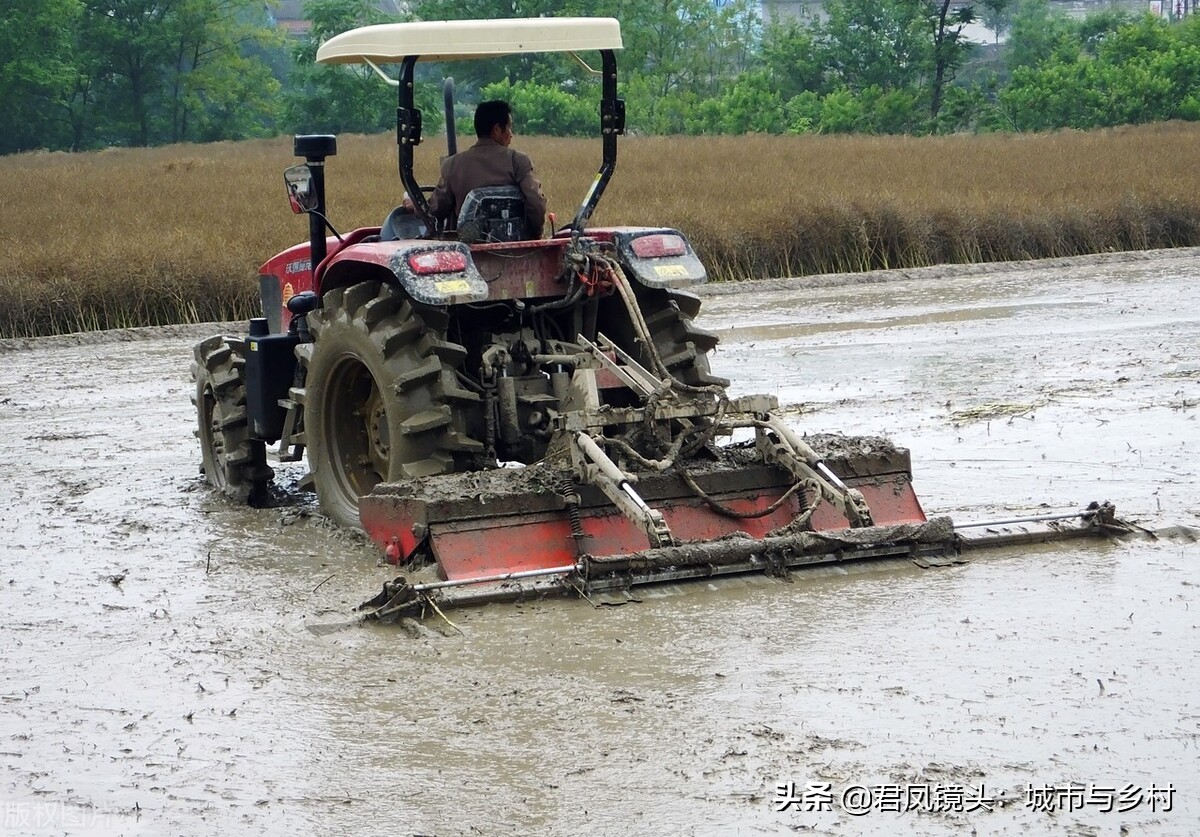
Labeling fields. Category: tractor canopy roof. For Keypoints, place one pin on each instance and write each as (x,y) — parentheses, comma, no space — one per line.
(450,40)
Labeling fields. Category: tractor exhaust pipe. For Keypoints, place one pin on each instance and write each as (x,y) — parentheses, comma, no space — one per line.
(314,148)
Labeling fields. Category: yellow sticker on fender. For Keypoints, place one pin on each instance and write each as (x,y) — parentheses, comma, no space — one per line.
(453,286)
(675,271)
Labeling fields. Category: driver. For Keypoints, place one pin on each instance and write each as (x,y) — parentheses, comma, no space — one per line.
(490,162)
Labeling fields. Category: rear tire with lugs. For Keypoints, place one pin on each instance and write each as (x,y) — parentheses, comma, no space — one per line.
(381,396)
(683,346)
(232,462)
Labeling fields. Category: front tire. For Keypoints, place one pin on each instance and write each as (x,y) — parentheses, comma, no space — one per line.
(232,462)
(381,397)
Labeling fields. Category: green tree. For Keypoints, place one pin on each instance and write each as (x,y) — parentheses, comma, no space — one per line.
(917,45)
(950,49)
(1038,33)
(546,109)
(791,54)
(219,87)
(842,112)
(1093,30)
(892,111)
(343,97)
(650,112)
(144,72)
(1143,71)
(678,52)
(37,71)
(883,43)
(997,16)
(747,104)
(131,40)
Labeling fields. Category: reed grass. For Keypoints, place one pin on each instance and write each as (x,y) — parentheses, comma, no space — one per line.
(128,237)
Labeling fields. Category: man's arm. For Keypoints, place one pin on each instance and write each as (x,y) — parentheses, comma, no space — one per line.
(441,202)
(531,188)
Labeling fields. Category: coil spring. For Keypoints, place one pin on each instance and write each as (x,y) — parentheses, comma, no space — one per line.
(566,488)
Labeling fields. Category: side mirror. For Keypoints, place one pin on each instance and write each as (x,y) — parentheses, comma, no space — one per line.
(301,195)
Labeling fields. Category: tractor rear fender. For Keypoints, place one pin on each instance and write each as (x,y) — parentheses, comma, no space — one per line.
(431,281)
(657,257)
(430,272)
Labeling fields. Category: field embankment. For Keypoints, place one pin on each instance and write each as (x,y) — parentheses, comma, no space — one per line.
(129,237)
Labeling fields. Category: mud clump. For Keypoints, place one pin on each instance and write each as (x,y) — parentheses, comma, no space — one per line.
(483,486)
(847,456)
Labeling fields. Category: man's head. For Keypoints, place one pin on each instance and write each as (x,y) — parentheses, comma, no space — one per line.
(493,120)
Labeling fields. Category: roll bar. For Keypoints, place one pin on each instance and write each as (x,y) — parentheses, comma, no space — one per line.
(612,125)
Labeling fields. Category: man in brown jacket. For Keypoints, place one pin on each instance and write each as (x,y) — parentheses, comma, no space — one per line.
(490,162)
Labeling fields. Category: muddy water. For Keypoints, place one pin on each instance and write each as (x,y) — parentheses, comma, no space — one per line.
(159,677)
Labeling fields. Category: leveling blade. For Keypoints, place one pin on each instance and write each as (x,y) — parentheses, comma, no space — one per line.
(923,543)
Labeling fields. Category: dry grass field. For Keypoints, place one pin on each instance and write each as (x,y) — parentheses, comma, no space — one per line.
(128,237)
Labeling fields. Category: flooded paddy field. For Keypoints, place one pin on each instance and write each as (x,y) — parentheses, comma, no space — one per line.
(158,673)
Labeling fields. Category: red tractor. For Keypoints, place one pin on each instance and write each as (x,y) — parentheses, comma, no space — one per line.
(401,355)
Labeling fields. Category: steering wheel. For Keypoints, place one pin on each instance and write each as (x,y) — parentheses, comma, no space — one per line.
(402,223)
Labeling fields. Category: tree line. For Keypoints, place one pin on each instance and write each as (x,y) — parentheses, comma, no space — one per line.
(85,74)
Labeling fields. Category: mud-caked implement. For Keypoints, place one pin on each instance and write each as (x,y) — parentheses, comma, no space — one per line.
(531,414)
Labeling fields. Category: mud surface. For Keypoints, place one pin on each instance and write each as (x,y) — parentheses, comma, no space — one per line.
(159,677)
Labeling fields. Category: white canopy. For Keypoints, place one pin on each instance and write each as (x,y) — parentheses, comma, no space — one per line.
(450,40)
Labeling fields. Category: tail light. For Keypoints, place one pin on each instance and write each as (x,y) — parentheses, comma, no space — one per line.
(658,245)
(437,261)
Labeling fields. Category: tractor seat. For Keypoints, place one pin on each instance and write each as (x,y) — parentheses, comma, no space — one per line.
(401,223)
(492,213)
